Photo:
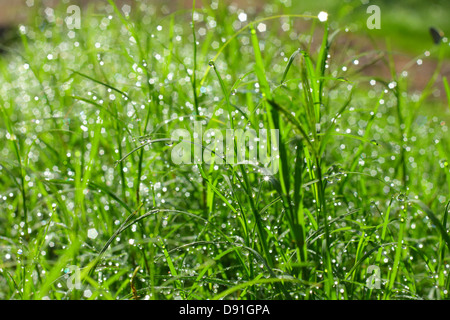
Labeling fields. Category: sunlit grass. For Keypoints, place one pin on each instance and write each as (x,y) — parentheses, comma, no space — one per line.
(88,183)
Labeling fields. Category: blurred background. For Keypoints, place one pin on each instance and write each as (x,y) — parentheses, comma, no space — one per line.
(405,25)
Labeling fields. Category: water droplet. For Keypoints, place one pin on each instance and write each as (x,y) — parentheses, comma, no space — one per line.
(87,293)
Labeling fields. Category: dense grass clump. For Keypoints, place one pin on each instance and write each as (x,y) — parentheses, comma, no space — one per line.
(94,207)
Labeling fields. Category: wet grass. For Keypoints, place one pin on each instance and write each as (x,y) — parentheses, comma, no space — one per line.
(89,190)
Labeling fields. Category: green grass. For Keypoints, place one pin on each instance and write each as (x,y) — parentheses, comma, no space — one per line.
(87,178)
(406,24)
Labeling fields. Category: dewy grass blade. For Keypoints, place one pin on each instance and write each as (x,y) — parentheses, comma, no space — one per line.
(100,82)
(288,66)
(91,197)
